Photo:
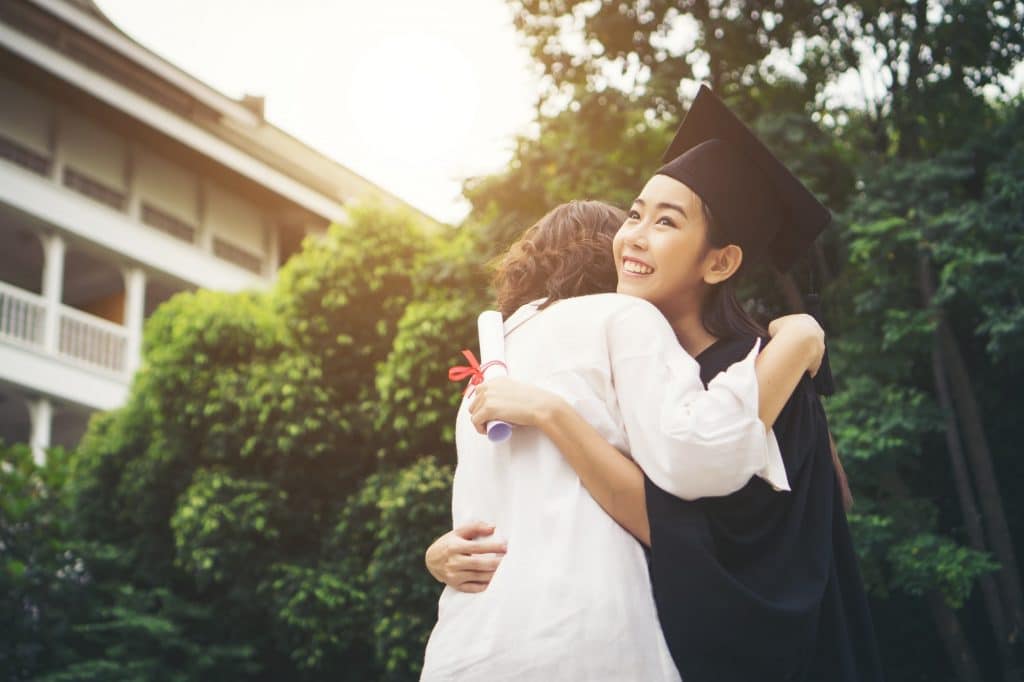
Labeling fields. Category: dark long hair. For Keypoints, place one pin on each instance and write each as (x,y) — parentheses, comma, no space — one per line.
(724,317)
(566,253)
(721,312)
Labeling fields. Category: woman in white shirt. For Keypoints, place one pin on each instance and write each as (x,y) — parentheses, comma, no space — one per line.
(571,599)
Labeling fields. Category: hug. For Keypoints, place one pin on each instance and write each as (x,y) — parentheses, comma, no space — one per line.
(668,505)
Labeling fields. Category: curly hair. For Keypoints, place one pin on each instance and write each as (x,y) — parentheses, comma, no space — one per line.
(566,253)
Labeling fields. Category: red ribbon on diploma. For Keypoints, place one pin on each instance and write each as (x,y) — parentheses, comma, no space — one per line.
(474,371)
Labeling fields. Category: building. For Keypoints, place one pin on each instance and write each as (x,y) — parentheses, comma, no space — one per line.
(124,180)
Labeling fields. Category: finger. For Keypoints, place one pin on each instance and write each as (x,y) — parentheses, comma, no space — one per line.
(474,529)
(469,577)
(479,421)
(495,546)
(472,587)
(456,577)
(482,564)
(471,547)
(474,415)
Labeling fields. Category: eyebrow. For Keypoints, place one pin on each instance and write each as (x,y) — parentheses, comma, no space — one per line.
(663,205)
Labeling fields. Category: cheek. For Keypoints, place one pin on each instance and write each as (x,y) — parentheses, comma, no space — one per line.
(679,253)
(671,247)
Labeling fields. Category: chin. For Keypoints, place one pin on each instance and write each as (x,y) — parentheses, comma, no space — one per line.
(630,288)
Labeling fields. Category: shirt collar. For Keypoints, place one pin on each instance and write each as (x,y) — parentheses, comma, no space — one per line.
(524,313)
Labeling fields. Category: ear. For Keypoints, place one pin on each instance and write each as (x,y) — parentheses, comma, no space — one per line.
(722,263)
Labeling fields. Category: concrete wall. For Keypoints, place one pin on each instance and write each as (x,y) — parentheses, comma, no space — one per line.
(209,214)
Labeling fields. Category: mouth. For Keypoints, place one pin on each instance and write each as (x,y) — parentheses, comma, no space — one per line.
(635,267)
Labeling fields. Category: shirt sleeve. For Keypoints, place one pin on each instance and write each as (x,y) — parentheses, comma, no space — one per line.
(690,441)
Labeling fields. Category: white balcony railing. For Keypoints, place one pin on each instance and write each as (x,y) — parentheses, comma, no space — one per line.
(82,338)
(22,316)
(92,340)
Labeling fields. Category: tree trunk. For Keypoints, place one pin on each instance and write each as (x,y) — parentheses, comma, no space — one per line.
(952,635)
(954,641)
(972,519)
(908,123)
(980,457)
(984,476)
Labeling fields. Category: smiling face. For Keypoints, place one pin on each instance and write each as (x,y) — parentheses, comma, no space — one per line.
(661,252)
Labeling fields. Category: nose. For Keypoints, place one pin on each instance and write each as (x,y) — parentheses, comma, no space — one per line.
(636,236)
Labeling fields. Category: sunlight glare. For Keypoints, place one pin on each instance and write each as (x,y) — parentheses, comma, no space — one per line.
(415,99)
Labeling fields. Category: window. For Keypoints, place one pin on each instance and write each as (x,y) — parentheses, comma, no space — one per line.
(240,257)
(165,222)
(94,189)
(24,157)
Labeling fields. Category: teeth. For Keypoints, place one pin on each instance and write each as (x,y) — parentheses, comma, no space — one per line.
(637,268)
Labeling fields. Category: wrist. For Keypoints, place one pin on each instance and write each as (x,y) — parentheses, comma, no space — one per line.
(548,411)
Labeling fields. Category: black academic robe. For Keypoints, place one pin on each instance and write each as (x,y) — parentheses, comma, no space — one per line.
(760,584)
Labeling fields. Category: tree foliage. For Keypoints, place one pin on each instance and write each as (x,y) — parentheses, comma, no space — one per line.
(260,505)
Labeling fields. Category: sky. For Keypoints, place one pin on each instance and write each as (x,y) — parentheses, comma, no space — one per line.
(415,95)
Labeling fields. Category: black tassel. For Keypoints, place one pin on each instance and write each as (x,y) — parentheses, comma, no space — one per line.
(824,384)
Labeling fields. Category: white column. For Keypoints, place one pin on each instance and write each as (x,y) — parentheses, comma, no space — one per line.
(40,411)
(53,284)
(134,314)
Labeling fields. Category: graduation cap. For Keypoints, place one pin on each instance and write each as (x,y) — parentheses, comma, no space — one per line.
(762,207)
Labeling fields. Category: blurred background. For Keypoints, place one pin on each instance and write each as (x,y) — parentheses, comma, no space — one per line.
(241,242)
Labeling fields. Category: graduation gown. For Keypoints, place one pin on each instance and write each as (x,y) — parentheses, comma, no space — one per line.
(760,584)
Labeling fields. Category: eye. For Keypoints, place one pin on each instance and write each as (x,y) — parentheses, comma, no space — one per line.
(633,214)
(665,220)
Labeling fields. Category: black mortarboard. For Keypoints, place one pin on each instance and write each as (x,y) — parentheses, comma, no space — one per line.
(762,207)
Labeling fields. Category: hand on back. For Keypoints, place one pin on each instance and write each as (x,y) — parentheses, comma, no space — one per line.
(467,557)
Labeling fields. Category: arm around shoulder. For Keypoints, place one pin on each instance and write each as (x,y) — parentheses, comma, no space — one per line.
(797,347)
(690,441)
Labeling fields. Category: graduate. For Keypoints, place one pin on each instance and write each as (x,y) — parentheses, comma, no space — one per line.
(571,599)
(760,584)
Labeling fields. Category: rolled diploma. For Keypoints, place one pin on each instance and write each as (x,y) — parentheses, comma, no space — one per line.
(492,348)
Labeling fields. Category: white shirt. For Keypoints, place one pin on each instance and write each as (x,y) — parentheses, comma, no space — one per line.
(571,600)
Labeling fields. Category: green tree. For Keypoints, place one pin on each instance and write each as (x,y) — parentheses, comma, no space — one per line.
(41,574)
(380,538)
(247,512)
